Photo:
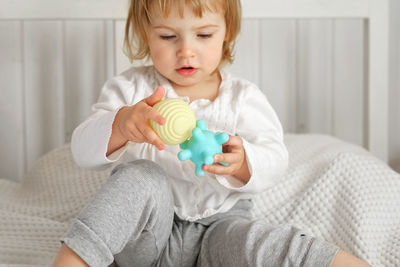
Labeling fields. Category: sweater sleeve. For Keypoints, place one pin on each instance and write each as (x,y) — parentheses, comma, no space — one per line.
(262,135)
(90,139)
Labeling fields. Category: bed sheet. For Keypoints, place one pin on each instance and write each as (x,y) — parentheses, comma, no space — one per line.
(332,189)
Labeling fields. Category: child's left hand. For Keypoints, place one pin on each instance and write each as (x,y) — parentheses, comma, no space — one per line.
(233,154)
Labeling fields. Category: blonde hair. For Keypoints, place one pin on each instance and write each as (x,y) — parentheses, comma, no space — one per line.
(135,43)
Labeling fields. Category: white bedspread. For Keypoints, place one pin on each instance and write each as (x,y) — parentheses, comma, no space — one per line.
(332,189)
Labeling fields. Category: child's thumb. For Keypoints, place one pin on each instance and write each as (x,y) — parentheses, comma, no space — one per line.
(156,97)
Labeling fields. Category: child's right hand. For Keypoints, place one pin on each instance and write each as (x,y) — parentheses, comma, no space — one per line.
(133,121)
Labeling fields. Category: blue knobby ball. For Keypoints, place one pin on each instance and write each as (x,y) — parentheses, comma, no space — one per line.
(202,146)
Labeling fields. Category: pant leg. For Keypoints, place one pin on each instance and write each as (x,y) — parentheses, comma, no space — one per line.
(236,241)
(130,217)
(184,244)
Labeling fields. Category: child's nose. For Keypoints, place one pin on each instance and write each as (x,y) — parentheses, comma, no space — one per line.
(186,50)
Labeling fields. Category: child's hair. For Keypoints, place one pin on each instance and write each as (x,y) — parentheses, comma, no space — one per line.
(135,43)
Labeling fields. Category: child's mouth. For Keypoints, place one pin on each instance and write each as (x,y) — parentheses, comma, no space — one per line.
(187,71)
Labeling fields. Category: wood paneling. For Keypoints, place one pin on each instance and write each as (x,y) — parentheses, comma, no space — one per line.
(52,72)
(12,141)
(71,9)
(44,87)
(314,76)
(306,8)
(394,111)
(349,88)
(122,61)
(378,79)
(278,68)
(116,9)
(86,68)
(247,60)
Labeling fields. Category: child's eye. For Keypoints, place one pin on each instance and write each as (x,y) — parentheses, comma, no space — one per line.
(167,37)
(204,35)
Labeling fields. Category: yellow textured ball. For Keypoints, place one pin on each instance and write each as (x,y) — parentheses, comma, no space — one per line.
(180,121)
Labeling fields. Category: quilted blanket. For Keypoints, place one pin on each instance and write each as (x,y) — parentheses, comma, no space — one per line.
(332,189)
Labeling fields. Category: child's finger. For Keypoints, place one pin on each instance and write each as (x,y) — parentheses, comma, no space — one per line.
(219,169)
(152,114)
(135,134)
(157,96)
(151,137)
(234,141)
(227,157)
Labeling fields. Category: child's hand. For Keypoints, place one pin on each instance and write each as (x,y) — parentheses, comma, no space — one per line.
(235,155)
(133,121)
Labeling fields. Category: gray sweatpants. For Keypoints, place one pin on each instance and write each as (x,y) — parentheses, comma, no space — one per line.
(131,219)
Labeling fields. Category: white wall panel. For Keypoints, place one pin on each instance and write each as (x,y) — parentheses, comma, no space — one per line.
(86,71)
(349,94)
(122,61)
(306,8)
(51,73)
(76,9)
(44,87)
(314,57)
(247,61)
(394,111)
(71,9)
(278,67)
(111,65)
(378,79)
(11,101)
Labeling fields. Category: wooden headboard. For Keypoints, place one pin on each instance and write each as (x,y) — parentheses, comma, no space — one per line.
(41,103)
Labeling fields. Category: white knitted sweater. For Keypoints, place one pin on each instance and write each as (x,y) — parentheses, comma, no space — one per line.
(332,189)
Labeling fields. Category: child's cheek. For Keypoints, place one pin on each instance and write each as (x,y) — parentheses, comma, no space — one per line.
(162,58)
(215,53)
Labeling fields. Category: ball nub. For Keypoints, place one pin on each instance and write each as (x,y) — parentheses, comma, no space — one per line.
(180,121)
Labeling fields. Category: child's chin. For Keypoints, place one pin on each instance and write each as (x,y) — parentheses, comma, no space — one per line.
(184,82)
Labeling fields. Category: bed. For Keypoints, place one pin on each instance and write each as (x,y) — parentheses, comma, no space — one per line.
(342,192)
(332,189)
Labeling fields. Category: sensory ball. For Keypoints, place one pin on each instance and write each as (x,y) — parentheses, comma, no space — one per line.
(180,121)
(202,147)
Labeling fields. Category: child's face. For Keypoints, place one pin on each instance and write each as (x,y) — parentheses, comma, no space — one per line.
(187,50)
